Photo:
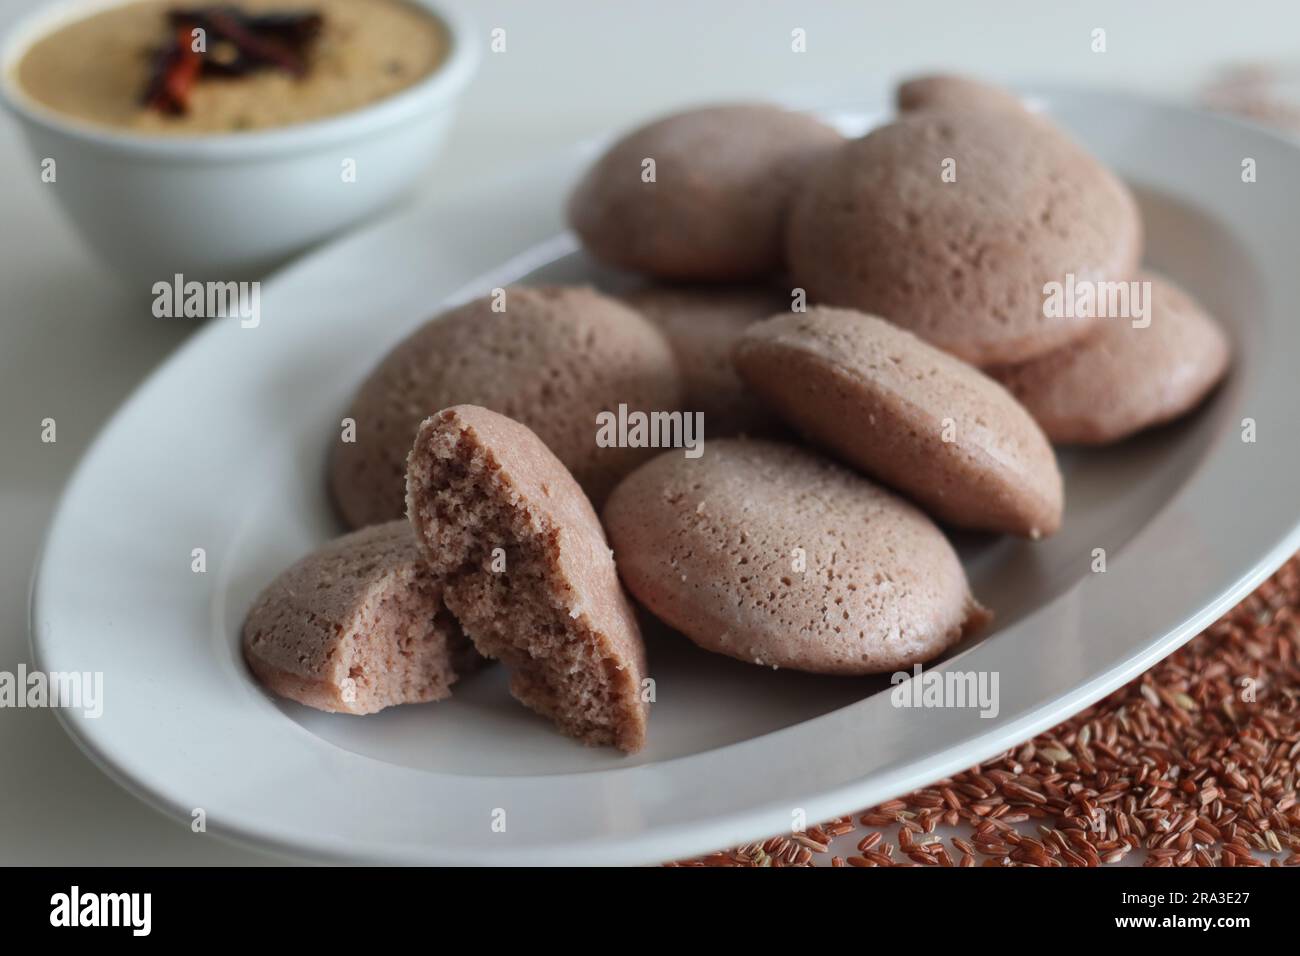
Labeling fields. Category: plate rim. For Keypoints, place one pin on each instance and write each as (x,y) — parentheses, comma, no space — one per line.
(668,842)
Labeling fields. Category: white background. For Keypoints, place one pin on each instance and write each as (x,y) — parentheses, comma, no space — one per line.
(73,343)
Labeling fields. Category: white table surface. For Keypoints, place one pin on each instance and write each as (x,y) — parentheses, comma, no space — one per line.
(73,343)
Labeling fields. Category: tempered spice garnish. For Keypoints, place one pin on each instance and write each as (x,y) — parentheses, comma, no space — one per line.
(236,44)
(1195,763)
(176,68)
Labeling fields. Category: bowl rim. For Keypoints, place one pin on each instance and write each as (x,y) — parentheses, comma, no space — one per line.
(442,85)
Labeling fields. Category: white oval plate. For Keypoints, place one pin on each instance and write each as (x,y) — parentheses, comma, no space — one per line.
(224,449)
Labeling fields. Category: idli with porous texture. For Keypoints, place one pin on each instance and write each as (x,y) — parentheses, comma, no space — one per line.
(356,626)
(1126,376)
(771,554)
(923,422)
(553,358)
(951,223)
(528,573)
(703,324)
(699,195)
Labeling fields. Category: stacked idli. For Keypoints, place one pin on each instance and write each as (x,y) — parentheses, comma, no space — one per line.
(862,326)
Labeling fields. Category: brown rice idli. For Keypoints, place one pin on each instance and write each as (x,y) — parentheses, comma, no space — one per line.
(949,92)
(773,555)
(702,324)
(528,572)
(356,626)
(926,423)
(553,358)
(950,224)
(1125,377)
(699,195)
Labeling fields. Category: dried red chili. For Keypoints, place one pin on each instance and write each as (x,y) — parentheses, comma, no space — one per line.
(279,41)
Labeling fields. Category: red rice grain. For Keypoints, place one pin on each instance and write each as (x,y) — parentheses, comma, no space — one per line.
(1195,763)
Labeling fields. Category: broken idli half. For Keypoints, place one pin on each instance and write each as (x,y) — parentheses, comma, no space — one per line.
(528,573)
(771,554)
(357,626)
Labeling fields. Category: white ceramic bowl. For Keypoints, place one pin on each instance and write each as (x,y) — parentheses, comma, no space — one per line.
(229,206)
